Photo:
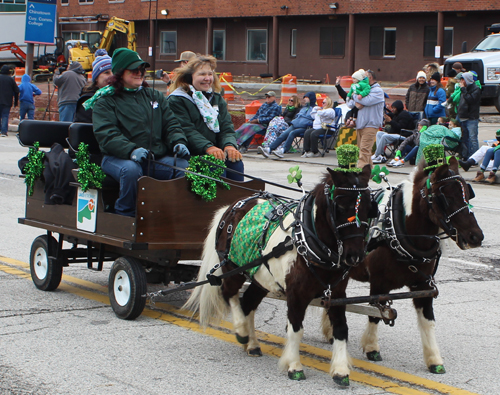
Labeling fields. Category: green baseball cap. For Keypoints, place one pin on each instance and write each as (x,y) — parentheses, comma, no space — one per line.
(126,59)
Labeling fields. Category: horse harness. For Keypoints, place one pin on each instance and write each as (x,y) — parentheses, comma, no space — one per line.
(304,237)
(393,231)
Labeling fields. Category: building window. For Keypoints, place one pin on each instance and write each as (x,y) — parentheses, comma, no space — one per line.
(430,41)
(64,2)
(293,43)
(332,41)
(168,44)
(257,44)
(383,41)
(219,49)
(85,1)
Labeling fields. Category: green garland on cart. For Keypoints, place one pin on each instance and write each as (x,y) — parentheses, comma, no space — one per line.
(90,175)
(34,167)
(202,186)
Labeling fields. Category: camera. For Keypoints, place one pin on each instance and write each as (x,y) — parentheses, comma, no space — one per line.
(159,74)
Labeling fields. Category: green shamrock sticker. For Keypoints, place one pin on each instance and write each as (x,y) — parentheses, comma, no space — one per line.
(295,175)
(379,173)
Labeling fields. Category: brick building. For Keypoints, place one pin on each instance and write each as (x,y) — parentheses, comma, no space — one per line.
(309,38)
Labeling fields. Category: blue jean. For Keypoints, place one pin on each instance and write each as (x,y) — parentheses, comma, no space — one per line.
(26,109)
(491,154)
(237,166)
(383,139)
(287,136)
(411,154)
(127,172)
(470,128)
(4,113)
(67,112)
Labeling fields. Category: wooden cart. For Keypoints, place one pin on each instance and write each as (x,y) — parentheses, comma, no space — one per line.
(170,225)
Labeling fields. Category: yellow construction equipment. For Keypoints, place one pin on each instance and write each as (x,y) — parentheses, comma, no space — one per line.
(84,54)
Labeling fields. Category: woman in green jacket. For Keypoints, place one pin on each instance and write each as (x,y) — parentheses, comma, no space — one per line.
(132,122)
(202,112)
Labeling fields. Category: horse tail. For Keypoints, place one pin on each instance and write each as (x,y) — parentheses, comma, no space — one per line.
(207,299)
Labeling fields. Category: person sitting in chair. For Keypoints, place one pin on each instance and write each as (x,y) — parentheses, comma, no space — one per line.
(408,149)
(322,115)
(396,121)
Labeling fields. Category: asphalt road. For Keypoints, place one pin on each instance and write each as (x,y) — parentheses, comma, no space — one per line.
(70,342)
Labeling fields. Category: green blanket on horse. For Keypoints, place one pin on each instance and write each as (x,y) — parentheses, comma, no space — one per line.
(251,235)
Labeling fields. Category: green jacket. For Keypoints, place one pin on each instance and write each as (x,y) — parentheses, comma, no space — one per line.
(122,123)
(199,136)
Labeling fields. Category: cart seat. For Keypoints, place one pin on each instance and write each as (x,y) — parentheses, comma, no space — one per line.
(45,132)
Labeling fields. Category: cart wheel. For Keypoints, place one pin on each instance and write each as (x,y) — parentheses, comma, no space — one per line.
(46,273)
(127,284)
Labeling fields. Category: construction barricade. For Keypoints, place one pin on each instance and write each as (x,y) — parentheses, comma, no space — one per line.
(20,71)
(251,109)
(288,88)
(226,79)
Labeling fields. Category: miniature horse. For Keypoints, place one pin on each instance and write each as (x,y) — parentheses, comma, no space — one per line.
(431,203)
(337,216)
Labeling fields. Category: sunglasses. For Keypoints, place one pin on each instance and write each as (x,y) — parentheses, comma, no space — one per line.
(290,100)
(140,70)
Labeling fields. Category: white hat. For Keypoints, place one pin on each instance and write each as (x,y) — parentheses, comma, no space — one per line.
(359,75)
(421,74)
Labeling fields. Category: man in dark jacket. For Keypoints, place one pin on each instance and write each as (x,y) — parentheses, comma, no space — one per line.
(8,90)
(395,122)
(70,84)
(468,112)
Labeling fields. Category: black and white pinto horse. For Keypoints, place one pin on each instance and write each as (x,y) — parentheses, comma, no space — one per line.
(326,235)
(407,249)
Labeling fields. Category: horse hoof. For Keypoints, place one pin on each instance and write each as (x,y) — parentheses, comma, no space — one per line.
(374,356)
(343,381)
(255,352)
(438,369)
(242,340)
(297,375)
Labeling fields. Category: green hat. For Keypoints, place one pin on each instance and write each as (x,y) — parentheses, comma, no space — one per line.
(348,156)
(498,133)
(434,156)
(126,59)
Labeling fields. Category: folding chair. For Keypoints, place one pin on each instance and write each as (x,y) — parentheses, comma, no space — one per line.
(329,138)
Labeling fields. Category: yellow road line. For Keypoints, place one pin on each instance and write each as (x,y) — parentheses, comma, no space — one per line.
(182,318)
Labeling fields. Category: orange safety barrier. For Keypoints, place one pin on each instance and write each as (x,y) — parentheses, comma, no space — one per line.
(89,76)
(251,109)
(20,71)
(346,82)
(444,81)
(288,88)
(228,92)
(319,98)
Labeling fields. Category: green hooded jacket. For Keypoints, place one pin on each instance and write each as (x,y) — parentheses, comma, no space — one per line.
(122,123)
(199,136)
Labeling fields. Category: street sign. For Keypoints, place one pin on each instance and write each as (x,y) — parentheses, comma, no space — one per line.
(40,21)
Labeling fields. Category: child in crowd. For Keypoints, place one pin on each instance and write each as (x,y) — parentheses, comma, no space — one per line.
(409,146)
(26,92)
(360,87)
(478,156)
(492,153)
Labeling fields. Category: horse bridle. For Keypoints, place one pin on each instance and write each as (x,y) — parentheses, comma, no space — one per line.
(446,224)
(332,211)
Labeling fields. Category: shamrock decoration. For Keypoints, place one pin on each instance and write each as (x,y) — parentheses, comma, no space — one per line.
(295,175)
(204,187)
(90,175)
(379,174)
(34,167)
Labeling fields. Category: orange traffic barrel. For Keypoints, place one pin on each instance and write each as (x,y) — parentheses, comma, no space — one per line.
(444,81)
(226,79)
(251,109)
(20,71)
(320,97)
(89,76)
(288,88)
(346,82)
